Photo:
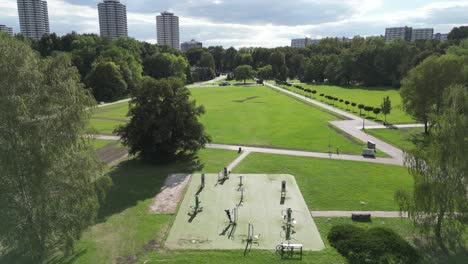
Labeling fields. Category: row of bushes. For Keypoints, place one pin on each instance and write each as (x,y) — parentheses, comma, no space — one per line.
(361,107)
(374,245)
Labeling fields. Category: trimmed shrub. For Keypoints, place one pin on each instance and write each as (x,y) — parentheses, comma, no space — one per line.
(375,245)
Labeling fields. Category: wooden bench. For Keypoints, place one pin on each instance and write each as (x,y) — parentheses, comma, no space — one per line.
(361,217)
(287,250)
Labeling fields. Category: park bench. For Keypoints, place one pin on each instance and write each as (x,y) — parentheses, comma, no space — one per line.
(290,251)
(361,217)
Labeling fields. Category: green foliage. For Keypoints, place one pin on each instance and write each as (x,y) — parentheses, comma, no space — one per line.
(375,245)
(47,194)
(265,72)
(165,65)
(424,85)
(244,72)
(106,81)
(386,107)
(278,64)
(458,33)
(164,122)
(438,165)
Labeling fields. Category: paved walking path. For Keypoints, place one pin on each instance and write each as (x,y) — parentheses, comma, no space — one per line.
(207,83)
(353,126)
(394,126)
(239,159)
(300,153)
(383,214)
(116,102)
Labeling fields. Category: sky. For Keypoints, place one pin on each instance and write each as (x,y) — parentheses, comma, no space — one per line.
(256,23)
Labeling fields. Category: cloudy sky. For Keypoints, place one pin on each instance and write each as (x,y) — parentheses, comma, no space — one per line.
(267,23)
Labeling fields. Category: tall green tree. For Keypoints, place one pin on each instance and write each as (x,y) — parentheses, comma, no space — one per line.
(165,65)
(386,107)
(278,64)
(47,194)
(438,203)
(244,72)
(265,72)
(164,123)
(423,87)
(106,82)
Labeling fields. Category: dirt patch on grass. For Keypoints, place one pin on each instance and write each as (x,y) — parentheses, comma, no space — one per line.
(112,153)
(166,201)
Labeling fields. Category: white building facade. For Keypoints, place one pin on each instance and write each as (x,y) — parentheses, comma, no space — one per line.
(6,29)
(167,28)
(190,44)
(422,33)
(112,19)
(34,18)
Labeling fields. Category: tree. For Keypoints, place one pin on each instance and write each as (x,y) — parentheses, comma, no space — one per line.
(278,64)
(368,109)
(438,203)
(458,33)
(244,72)
(165,65)
(347,104)
(424,85)
(376,111)
(386,107)
(207,61)
(164,123)
(243,58)
(106,81)
(47,194)
(265,72)
(230,59)
(360,106)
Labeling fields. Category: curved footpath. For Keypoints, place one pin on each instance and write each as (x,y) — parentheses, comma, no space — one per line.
(354,125)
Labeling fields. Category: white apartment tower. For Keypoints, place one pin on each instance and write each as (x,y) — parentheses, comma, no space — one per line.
(422,33)
(6,29)
(33,18)
(167,27)
(112,19)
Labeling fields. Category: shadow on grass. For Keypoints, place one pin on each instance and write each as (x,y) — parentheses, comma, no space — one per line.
(135,180)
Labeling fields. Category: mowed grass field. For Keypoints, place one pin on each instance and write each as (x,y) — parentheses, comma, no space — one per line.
(125,226)
(336,185)
(401,138)
(362,95)
(259,116)
(256,116)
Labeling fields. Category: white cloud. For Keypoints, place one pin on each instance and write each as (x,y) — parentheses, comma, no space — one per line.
(253,23)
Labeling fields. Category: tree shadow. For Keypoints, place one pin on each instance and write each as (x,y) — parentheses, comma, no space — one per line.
(135,180)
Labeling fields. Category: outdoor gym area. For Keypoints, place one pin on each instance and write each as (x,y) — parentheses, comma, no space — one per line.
(244,211)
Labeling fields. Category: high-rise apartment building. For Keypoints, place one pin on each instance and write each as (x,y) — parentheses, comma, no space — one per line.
(112,19)
(190,44)
(404,33)
(33,18)
(6,29)
(422,33)
(303,42)
(167,27)
(441,37)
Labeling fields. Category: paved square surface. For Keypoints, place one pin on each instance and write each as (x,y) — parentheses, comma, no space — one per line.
(261,206)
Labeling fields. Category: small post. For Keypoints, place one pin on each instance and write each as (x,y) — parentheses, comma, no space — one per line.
(240,150)
(240,181)
(225,172)
(228,214)
(202,184)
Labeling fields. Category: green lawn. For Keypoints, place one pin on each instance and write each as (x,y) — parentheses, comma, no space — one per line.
(329,255)
(263,117)
(125,227)
(363,95)
(100,143)
(335,184)
(105,127)
(254,116)
(401,138)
